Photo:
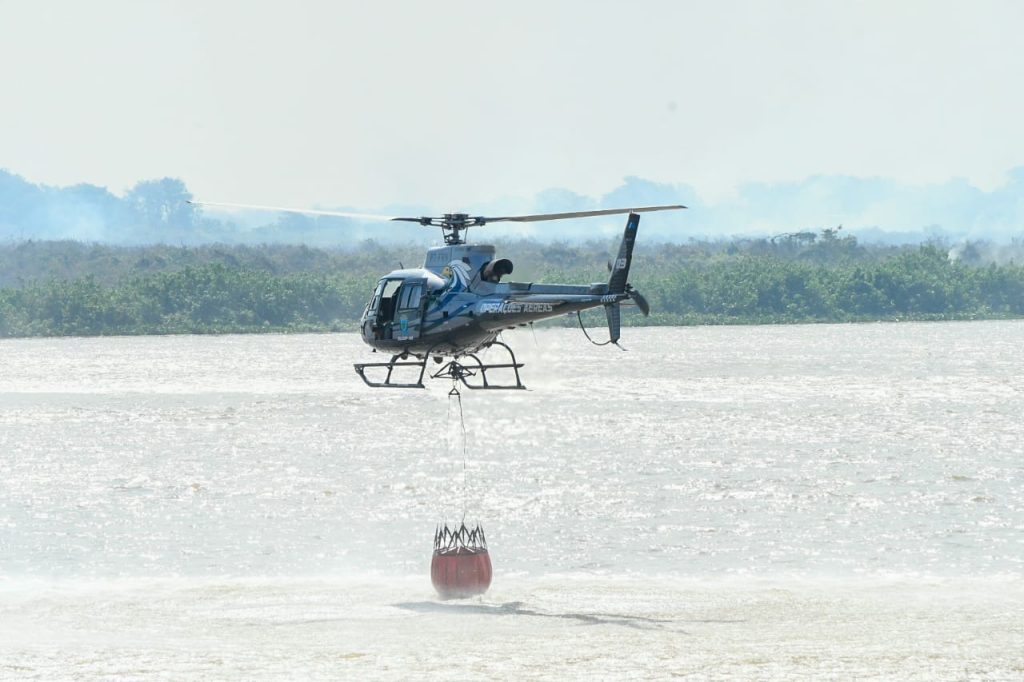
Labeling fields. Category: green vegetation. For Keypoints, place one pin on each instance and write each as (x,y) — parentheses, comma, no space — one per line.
(69,288)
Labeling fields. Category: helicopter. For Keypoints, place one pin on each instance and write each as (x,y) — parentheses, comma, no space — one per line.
(456,305)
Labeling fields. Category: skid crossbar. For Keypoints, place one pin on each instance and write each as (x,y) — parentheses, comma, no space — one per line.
(387,383)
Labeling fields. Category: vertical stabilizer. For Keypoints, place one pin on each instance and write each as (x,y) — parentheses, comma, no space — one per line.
(614,313)
(620,268)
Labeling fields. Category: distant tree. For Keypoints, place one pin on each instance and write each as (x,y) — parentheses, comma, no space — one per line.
(832,248)
(162,204)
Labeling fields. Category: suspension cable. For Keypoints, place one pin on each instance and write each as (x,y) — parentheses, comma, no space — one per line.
(462,421)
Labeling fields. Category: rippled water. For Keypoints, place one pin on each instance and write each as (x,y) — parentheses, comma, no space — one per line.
(767,502)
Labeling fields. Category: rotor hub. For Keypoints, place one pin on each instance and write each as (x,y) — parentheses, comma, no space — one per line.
(452,225)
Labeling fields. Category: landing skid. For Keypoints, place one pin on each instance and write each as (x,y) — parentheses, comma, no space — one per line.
(390,366)
(472,373)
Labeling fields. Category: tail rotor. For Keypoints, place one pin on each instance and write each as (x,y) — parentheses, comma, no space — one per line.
(639,300)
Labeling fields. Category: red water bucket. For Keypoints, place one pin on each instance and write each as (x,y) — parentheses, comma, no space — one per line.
(460,573)
(461,566)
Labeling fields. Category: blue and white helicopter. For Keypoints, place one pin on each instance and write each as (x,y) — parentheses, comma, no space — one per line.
(456,305)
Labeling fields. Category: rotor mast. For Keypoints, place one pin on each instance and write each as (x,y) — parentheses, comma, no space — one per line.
(454,223)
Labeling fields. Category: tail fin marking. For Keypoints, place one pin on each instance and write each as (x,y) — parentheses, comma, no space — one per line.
(620,267)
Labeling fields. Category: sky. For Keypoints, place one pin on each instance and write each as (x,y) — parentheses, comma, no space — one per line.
(453,105)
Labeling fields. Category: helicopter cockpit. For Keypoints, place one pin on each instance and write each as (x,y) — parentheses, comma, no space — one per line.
(399,303)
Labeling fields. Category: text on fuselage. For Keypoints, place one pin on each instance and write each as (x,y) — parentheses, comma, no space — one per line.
(512,307)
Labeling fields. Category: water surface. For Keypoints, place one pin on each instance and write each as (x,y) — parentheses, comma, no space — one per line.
(768,502)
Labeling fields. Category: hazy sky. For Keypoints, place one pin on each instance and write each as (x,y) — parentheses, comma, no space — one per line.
(447,104)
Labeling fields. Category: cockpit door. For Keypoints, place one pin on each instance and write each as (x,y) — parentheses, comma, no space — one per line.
(380,311)
(412,304)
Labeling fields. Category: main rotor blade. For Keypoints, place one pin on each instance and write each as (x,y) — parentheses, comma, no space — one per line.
(462,221)
(581,214)
(306,211)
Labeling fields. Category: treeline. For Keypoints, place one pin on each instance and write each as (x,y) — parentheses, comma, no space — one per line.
(31,262)
(212,298)
(918,284)
(68,288)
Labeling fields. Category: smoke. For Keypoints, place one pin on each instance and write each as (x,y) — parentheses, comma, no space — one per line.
(983,224)
(986,252)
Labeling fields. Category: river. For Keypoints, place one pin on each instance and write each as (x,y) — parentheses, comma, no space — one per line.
(763,502)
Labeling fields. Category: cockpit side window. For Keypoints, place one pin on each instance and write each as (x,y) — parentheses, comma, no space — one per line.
(410,297)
